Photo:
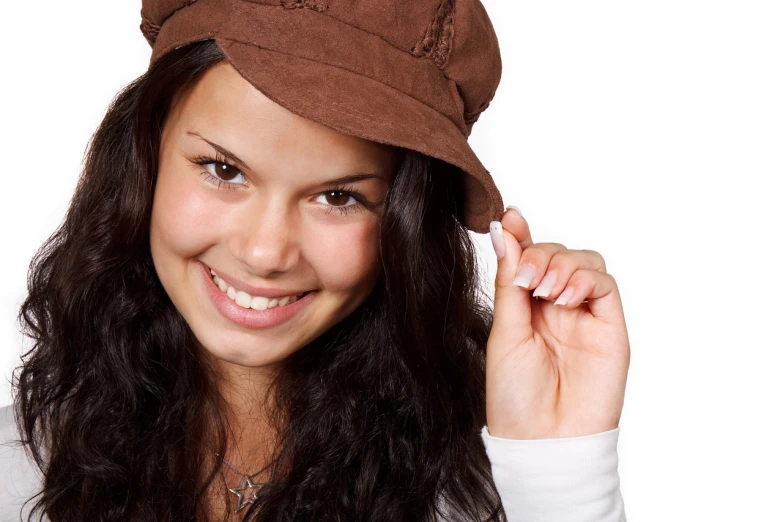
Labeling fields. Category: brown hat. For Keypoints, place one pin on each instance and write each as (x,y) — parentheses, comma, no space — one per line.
(410,73)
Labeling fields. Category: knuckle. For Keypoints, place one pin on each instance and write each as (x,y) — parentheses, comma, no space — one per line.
(554,248)
(543,251)
(535,254)
(598,256)
(564,260)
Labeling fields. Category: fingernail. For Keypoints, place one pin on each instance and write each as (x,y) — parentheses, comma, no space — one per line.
(525,275)
(543,289)
(515,208)
(496,234)
(565,296)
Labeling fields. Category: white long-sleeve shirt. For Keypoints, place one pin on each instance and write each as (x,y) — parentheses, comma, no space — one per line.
(554,480)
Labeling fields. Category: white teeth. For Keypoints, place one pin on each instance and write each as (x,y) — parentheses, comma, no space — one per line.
(259,303)
(246,300)
(243,299)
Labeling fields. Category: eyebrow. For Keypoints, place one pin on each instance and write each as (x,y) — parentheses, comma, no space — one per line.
(350,178)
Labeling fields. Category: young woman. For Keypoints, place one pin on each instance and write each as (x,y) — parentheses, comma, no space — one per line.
(248,314)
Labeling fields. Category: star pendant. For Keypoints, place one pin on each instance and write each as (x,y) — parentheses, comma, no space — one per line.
(252,493)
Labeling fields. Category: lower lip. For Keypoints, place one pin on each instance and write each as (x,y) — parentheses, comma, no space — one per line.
(248,317)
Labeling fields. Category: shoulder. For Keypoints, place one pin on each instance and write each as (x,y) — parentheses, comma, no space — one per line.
(20,478)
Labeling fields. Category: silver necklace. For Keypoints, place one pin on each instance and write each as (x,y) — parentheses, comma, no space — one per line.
(246,491)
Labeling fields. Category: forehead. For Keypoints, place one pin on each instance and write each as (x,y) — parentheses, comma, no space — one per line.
(227,107)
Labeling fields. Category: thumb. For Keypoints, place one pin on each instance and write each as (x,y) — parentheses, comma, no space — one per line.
(512,313)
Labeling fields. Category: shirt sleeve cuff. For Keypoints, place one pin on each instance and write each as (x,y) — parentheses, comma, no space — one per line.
(554,480)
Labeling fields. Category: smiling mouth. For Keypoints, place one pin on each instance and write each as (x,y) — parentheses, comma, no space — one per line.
(246,300)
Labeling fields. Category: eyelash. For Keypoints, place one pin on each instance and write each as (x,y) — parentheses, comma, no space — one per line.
(220,184)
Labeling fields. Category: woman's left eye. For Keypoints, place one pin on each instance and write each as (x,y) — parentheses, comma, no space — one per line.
(217,170)
(342,207)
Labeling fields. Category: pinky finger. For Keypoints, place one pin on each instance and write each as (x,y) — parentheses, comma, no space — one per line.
(568,298)
(597,289)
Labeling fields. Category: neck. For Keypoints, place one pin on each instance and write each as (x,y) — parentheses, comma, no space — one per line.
(246,402)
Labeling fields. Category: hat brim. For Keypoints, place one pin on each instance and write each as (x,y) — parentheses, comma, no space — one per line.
(364,107)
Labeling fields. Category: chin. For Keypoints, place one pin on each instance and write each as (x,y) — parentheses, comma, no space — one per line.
(252,357)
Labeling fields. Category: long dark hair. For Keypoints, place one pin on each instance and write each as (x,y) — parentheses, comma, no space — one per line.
(382,413)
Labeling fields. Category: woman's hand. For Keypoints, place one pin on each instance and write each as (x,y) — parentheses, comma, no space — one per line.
(553,371)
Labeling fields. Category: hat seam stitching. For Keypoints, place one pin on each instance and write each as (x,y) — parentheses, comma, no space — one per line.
(433,44)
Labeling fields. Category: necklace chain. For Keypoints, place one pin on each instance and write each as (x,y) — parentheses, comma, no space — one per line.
(235,470)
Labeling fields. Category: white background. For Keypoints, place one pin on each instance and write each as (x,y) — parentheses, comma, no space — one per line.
(651,132)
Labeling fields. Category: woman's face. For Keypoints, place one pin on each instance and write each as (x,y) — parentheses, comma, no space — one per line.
(264,214)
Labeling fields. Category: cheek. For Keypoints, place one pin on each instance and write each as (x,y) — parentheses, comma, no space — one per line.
(345,257)
(182,217)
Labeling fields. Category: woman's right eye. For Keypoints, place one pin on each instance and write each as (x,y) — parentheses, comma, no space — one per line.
(221,174)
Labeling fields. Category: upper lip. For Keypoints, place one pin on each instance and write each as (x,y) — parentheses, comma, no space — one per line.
(257,291)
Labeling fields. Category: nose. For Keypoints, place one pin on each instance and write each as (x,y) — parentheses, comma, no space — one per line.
(262,240)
